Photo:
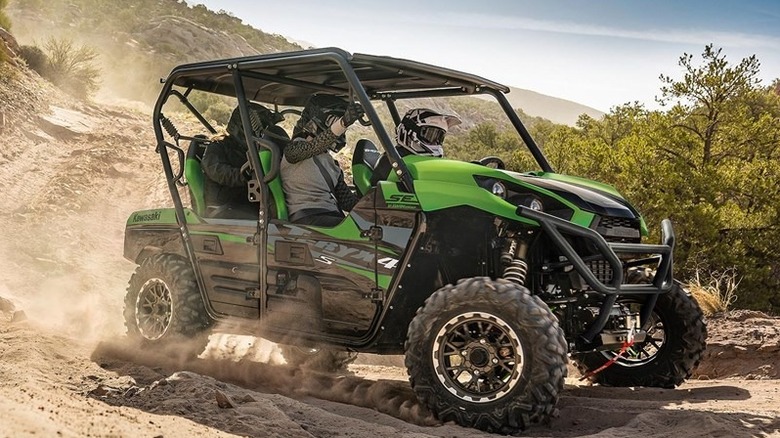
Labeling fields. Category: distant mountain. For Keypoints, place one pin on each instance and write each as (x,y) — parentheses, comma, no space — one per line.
(548,107)
(140,41)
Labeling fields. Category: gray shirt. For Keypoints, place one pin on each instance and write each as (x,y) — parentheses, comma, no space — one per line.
(306,188)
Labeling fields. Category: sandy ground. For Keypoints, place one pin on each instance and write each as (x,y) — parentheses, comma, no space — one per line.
(70,179)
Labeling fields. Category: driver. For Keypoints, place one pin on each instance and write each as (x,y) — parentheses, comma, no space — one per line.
(420,132)
(313,182)
(225,186)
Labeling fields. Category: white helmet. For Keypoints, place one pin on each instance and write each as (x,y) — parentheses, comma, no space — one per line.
(422,131)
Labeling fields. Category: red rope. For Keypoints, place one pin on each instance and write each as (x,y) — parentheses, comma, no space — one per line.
(626,345)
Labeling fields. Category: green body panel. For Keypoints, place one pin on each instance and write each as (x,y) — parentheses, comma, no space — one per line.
(160,216)
(441,183)
(346,230)
(194,175)
(606,188)
(361,177)
(395,198)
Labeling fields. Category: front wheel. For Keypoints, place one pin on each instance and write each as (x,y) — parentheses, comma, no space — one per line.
(163,305)
(675,342)
(486,354)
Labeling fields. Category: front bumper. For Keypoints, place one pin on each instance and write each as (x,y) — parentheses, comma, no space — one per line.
(661,255)
(663,280)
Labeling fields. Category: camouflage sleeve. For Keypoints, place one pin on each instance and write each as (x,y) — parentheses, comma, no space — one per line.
(345,198)
(300,149)
(217,167)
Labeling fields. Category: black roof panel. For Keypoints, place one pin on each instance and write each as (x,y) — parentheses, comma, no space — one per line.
(289,78)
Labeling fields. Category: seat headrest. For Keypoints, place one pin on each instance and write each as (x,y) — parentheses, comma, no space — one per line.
(197,147)
(366,153)
(278,135)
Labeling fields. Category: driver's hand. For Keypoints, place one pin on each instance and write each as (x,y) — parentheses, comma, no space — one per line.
(352,114)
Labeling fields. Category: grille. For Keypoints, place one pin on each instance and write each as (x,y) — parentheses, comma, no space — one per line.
(601,270)
(619,229)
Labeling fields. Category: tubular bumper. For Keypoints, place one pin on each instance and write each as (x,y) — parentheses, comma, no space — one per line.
(557,228)
(662,282)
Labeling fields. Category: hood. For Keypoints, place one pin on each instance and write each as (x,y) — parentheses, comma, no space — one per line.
(586,194)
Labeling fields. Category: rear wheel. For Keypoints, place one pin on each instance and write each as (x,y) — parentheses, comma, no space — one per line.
(675,342)
(486,354)
(163,304)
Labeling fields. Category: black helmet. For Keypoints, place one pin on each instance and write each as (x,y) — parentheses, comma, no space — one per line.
(422,131)
(259,116)
(318,114)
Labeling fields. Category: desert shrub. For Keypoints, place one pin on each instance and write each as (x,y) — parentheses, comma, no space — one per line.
(714,291)
(35,58)
(72,68)
(5,22)
(213,107)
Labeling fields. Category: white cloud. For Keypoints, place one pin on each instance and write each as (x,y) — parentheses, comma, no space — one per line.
(677,36)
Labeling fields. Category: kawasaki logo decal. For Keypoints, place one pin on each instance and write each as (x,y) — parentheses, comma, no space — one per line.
(147,217)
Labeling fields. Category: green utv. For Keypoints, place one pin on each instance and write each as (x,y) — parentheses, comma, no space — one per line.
(487,280)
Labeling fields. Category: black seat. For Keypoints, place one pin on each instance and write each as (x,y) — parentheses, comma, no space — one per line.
(364,160)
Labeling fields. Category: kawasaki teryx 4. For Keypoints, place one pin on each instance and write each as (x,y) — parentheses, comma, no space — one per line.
(487,280)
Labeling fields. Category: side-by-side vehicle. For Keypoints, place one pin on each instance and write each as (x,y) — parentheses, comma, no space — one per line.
(488,280)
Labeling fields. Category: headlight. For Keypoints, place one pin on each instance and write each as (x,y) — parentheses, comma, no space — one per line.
(536,204)
(529,201)
(499,189)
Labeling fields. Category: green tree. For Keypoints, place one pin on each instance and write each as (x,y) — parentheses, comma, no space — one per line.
(711,163)
(723,135)
(708,97)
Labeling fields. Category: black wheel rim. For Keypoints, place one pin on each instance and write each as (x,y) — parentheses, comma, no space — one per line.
(643,352)
(153,309)
(477,357)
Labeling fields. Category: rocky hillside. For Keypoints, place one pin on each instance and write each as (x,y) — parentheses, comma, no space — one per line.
(140,41)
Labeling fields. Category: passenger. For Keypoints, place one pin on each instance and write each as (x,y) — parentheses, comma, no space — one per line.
(225,189)
(313,182)
(420,132)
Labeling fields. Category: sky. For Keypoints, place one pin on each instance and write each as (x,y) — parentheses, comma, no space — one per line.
(600,53)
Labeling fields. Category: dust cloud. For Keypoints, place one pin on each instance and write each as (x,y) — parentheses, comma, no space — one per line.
(234,359)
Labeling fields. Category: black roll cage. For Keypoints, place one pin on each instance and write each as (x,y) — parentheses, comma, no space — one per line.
(287,79)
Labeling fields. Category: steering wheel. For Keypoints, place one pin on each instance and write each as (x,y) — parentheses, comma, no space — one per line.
(492,162)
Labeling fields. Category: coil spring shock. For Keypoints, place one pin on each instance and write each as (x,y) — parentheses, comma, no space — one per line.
(167,124)
(514,259)
(509,254)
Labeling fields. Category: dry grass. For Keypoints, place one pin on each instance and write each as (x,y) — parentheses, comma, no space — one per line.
(715,291)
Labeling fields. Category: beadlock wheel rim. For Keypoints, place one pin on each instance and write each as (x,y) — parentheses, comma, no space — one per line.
(477,357)
(153,309)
